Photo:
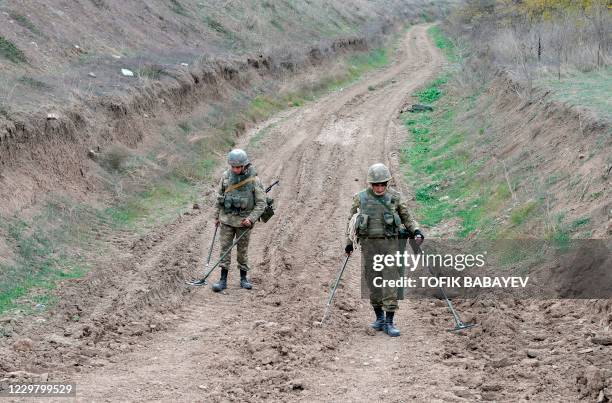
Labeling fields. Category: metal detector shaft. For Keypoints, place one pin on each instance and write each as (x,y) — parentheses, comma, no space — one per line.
(212,244)
(459,324)
(333,291)
(203,279)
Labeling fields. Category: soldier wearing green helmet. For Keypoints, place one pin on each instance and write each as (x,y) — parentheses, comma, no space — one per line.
(381,215)
(240,202)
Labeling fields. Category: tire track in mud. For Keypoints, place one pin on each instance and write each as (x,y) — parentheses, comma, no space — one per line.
(265,343)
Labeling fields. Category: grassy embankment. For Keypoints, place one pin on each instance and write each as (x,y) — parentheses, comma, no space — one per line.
(450,180)
(590,89)
(57,244)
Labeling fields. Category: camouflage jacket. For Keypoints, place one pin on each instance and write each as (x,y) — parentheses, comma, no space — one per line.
(246,201)
(392,201)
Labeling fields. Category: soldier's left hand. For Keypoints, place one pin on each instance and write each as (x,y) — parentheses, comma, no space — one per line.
(419,237)
(246,222)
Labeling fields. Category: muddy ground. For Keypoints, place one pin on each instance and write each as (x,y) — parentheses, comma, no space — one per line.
(135,331)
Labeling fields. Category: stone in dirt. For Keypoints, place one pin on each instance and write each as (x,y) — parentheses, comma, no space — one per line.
(24,344)
(60,340)
(22,375)
(590,382)
(417,108)
(602,340)
(127,73)
(504,362)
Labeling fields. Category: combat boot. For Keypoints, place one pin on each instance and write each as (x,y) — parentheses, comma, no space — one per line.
(244,281)
(389,327)
(222,283)
(379,323)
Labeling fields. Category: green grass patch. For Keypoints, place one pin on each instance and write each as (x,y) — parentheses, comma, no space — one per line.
(152,72)
(364,62)
(178,8)
(11,52)
(439,164)
(185,127)
(33,83)
(444,43)
(521,214)
(561,231)
(161,201)
(216,26)
(26,23)
(277,24)
(262,107)
(591,90)
(39,261)
(432,92)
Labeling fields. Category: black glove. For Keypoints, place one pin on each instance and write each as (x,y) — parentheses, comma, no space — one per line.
(349,248)
(418,233)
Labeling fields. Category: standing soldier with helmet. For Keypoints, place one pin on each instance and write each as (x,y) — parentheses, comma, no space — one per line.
(240,202)
(382,216)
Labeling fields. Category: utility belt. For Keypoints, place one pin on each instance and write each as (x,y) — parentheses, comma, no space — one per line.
(380,237)
(235,205)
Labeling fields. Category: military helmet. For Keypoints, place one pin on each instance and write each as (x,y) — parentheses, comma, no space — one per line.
(378,173)
(237,157)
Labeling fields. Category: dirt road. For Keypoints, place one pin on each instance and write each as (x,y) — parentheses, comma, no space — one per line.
(264,343)
(141,334)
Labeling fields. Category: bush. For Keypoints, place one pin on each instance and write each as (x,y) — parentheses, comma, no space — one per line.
(11,52)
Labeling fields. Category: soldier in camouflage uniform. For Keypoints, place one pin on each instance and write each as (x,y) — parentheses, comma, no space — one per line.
(382,213)
(240,202)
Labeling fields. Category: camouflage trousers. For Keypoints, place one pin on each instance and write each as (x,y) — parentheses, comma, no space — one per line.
(380,296)
(227,236)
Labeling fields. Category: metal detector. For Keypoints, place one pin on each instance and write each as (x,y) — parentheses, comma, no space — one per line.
(197,282)
(202,281)
(333,290)
(459,324)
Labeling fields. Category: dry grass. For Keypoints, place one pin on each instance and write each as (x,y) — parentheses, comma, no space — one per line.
(153,38)
(529,46)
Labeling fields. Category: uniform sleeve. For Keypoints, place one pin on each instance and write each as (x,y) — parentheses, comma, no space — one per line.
(406,215)
(260,202)
(220,192)
(354,208)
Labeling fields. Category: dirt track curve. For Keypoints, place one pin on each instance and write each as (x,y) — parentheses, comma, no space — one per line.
(144,335)
(264,343)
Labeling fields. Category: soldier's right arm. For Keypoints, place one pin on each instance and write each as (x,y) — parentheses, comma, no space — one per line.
(354,208)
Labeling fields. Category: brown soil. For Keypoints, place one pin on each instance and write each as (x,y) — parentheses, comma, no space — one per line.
(69,97)
(135,332)
(549,149)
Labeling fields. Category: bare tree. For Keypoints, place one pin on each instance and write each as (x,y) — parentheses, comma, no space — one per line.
(600,20)
(559,36)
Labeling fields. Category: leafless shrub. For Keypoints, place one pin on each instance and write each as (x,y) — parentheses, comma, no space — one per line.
(114,159)
(528,41)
